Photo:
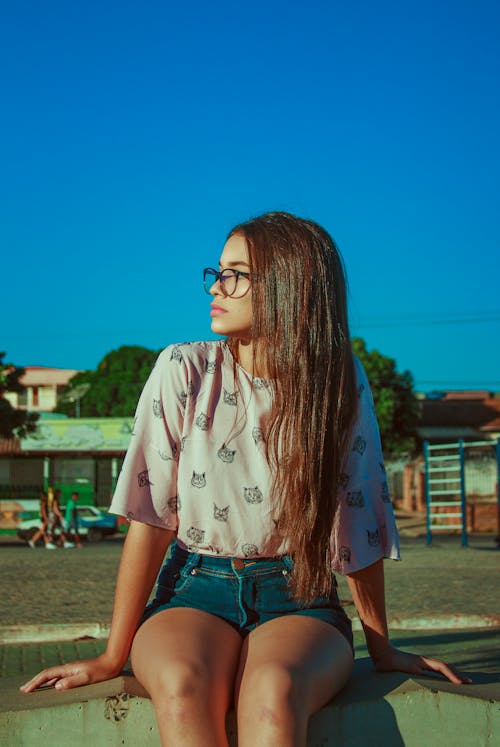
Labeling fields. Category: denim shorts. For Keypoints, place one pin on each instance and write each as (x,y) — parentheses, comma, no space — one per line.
(244,592)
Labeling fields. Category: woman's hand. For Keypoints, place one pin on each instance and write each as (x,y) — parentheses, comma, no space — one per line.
(74,674)
(394,660)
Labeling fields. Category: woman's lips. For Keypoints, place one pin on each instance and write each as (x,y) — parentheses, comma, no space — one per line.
(216,311)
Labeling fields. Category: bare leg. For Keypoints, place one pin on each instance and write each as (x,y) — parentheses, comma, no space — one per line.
(187,661)
(290,667)
(39,533)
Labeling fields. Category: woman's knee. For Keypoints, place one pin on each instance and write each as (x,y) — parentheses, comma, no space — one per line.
(177,679)
(273,684)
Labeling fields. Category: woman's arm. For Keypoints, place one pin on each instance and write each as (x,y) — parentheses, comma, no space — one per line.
(367,589)
(143,552)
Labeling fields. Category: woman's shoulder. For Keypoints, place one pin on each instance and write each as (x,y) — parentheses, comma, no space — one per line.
(189,354)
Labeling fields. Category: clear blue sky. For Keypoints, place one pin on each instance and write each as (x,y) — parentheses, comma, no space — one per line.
(134,135)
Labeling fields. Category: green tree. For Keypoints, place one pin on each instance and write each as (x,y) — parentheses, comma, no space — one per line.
(395,402)
(13,422)
(113,389)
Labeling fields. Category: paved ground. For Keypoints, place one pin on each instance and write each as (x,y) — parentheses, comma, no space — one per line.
(76,586)
(474,651)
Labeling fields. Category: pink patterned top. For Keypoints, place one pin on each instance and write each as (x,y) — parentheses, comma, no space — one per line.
(196,464)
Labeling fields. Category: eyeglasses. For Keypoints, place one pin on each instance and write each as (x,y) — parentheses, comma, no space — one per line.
(233,283)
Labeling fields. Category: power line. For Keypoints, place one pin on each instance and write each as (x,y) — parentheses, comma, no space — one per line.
(434,382)
(419,321)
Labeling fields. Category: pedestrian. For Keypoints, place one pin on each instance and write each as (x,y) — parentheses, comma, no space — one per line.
(71,519)
(258,457)
(41,533)
(55,524)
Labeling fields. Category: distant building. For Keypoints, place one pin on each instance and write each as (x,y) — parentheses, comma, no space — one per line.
(43,387)
(82,454)
(453,415)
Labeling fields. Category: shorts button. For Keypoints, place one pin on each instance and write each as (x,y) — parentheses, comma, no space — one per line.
(284,572)
(194,572)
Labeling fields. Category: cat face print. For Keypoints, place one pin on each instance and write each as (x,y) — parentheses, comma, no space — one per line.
(173,504)
(257,435)
(157,408)
(176,354)
(253,495)
(198,480)
(143,479)
(359,445)
(203,421)
(225,454)
(249,550)
(210,367)
(373,538)
(196,535)
(221,514)
(355,499)
(230,398)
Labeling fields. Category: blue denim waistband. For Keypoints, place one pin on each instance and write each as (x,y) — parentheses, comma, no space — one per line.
(225,566)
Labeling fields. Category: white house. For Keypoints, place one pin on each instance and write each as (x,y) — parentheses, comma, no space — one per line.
(43,386)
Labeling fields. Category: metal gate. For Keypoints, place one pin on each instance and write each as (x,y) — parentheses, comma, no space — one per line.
(445,481)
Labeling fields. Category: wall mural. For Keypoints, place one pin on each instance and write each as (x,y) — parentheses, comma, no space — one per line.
(80,434)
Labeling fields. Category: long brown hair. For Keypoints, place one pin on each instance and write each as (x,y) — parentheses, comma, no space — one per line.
(301,336)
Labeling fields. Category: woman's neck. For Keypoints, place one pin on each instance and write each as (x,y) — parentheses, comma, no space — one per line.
(250,358)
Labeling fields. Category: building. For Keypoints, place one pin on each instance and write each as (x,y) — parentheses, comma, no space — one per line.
(454,415)
(82,454)
(43,388)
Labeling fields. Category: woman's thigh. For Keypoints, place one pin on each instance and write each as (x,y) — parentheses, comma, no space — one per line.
(299,658)
(184,650)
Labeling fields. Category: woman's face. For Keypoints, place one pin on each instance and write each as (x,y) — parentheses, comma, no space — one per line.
(233,316)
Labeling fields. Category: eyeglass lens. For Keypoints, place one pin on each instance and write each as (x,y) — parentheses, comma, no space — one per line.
(228,280)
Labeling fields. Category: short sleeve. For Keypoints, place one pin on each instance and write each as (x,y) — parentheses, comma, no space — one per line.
(146,490)
(364,527)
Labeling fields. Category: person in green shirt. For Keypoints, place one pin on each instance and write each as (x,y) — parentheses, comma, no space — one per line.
(71,519)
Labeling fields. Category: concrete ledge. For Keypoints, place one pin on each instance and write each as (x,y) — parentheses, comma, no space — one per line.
(389,709)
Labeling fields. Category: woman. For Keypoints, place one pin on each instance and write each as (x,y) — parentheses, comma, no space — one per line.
(250,452)
(41,533)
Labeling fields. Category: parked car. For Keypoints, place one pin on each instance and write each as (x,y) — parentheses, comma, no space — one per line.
(93,524)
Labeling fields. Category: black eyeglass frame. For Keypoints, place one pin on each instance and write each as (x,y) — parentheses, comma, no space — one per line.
(218,275)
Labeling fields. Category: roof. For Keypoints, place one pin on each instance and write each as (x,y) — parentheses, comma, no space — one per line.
(10,446)
(42,376)
(480,414)
(466,395)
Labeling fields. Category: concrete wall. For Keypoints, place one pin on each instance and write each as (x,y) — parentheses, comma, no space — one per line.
(375,709)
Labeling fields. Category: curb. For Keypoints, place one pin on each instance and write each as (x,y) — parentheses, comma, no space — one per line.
(52,633)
